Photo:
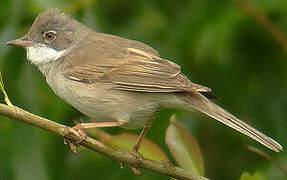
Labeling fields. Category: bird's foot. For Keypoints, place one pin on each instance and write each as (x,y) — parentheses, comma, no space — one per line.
(136,171)
(81,132)
(81,135)
(73,145)
(137,155)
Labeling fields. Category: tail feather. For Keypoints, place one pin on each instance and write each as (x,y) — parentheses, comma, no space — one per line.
(202,104)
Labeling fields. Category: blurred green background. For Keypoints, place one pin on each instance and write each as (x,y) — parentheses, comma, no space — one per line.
(217,44)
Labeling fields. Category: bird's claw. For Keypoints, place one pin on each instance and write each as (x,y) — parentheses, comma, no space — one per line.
(72,145)
(137,155)
(81,132)
(81,137)
(136,171)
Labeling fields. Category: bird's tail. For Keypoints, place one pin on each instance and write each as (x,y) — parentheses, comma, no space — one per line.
(199,102)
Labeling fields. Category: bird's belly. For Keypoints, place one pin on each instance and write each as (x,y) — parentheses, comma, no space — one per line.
(101,103)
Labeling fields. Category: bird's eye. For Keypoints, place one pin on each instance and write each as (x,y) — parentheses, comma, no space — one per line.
(50,35)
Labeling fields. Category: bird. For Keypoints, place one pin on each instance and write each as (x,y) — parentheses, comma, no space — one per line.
(117,81)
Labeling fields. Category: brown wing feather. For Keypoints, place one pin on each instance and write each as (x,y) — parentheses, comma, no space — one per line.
(130,69)
(152,75)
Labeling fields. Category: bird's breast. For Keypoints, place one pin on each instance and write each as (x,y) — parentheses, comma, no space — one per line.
(102,103)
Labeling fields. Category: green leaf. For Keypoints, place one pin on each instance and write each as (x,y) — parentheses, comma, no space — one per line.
(256,176)
(2,88)
(126,141)
(184,147)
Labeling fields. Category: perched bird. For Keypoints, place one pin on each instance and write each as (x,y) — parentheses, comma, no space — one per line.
(116,81)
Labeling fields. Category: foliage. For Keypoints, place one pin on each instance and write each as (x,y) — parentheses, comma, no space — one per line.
(256,176)
(184,147)
(125,141)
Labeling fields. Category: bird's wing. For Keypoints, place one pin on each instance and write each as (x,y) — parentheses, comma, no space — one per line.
(133,70)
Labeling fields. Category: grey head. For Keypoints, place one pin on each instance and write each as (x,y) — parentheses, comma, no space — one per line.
(51,36)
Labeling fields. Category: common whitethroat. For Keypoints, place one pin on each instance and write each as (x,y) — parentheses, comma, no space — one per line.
(116,81)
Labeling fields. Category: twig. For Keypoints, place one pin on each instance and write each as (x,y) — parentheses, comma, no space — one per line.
(94,145)
(2,88)
(263,20)
(269,158)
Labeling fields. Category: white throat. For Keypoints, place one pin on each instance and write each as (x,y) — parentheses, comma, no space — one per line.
(41,54)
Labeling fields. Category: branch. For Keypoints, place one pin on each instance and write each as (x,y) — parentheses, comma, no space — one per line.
(94,145)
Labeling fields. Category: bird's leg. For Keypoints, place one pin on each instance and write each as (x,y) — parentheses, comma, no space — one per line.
(82,127)
(135,150)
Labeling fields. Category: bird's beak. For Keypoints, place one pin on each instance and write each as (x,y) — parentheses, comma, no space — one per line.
(23,42)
